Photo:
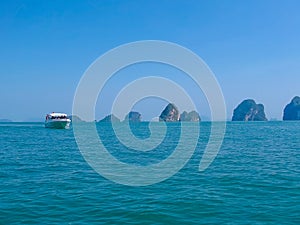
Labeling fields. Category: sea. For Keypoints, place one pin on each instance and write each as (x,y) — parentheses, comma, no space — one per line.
(254,179)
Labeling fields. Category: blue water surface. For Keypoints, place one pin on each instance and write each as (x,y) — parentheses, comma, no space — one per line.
(255,179)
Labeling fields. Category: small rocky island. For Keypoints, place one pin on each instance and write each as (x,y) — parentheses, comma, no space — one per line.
(248,110)
(292,110)
(170,114)
(192,116)
(76,119)
(109,119)
(5,121)
(133,117)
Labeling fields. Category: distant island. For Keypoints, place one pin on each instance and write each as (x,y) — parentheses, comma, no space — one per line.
(292,110)
(110,118)
(75,119)
(133,117)
(248,110)
(192,116)
(171,114)
(5,121)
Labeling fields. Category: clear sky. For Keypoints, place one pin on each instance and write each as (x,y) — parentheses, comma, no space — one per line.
(252,47)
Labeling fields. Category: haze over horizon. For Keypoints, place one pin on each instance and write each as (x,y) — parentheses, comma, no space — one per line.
(252,48)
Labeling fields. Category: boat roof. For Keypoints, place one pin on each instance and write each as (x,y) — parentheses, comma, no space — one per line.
(57,114)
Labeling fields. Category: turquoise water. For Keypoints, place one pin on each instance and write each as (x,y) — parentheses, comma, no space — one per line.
(255,179)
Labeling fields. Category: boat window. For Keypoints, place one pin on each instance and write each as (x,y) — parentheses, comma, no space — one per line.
(58,117)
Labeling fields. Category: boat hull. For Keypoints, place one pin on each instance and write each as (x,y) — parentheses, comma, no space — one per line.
(59,124)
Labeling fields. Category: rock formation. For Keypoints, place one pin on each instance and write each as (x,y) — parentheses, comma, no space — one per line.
(169,114)
(133,117)
(109,119)
(192,116)
(248,110)
(75,119)
(292,110)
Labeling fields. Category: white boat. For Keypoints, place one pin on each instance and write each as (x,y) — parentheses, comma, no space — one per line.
(57,120)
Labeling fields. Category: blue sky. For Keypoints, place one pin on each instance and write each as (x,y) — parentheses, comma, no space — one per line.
(251,46)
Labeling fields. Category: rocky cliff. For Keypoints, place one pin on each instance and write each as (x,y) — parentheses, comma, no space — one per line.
(292,110)
(133,117)
(110,118)
(169,114)
(248,110)
(192,116)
